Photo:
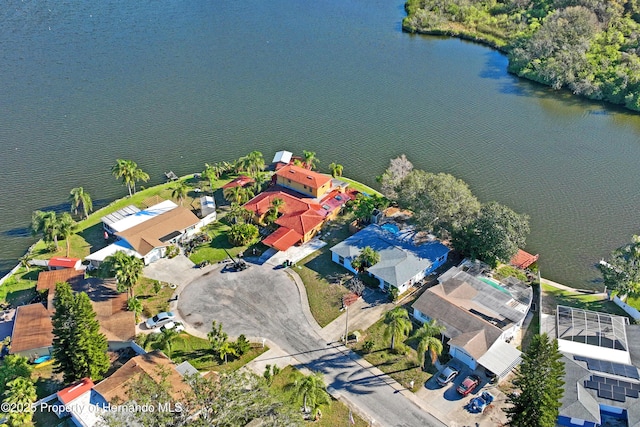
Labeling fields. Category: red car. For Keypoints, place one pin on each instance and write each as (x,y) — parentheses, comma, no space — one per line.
(468,385)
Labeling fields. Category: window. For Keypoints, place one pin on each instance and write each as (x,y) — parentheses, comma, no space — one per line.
(341,260)
(305,187)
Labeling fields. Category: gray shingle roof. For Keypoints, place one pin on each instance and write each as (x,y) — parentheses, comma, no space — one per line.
(577,402)
(400,259)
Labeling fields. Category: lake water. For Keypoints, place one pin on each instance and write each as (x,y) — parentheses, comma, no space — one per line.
(175,84)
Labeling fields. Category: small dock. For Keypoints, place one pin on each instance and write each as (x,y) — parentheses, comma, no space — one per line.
(171,176)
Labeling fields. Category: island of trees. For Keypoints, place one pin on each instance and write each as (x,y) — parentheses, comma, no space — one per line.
(587,46)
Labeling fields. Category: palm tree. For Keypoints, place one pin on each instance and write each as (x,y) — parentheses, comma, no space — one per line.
(66,229)
(336,169)
(427,341)
(238,194)
(310,159)
(47,224)
(25,260)
(135,305)
(368,257)
(224,349)
(313,392)
(252,163)
(274,209)
(20,393)
(128,270)
(130,173)
(165,340)
(398,325)
(80,199)
(260,179)
(179,191)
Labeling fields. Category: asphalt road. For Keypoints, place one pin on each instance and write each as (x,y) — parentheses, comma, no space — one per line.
(265,302)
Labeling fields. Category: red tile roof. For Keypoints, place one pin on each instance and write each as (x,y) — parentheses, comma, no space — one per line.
(304,176)
(240,181)
(67,395)
(63,262)
(282,239)
(262,202)
(302,223)
(523,259)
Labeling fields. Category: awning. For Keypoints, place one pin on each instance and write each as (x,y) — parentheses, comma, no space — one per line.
(501,358)
(118,246)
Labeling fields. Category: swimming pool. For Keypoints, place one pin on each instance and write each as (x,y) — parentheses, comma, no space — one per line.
(494,284)
(392,228)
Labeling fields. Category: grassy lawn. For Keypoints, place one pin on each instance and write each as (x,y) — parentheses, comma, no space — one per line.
(336,414)
(402,368)
(360,187)
(46,381)
(214,250)
(551,297)
(20,288)
(152,302)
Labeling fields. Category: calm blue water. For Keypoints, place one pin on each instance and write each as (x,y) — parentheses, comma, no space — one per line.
(175,84)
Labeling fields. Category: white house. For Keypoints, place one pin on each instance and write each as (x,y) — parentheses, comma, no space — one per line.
(402,262)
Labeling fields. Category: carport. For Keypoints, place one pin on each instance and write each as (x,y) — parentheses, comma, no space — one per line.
(501,358)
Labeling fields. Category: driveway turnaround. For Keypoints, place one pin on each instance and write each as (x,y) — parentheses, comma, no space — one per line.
(264,301)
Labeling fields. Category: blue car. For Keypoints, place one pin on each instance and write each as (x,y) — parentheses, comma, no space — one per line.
(480,403)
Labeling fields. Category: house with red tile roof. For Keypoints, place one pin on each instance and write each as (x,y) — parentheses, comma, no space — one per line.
(304,181)
(240,181)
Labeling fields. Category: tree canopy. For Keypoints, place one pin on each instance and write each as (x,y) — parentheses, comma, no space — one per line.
(622,271)
(588,46)
(79,348)
(494,235)
(538,385)
(438,201)
(398,325)
(130,173)
(398,169)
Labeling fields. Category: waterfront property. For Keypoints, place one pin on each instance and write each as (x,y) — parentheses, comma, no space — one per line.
(480,317)
(310,199)
(601,358)
(403,261)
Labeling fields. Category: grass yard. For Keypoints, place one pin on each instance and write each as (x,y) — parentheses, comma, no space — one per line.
(336,414)
(214,250)
(552,297)
(20,288)
(46,381)
(402,368)
(360,186)
(153,301)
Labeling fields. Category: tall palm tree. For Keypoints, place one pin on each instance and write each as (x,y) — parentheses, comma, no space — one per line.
(310,159)
(66,229)
(238,194)
(20,393)
(47,224)
(179,191)
(260,179)
(211,173)
(128,270)
(336,169)
(130,173)
(165,340)
(427,339)
(80,199)
(313,392)
(398,325)
(252,163)
(274,209)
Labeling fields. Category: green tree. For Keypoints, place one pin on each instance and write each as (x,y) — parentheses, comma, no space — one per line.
(135,305)
(79,198)
(274,209)
(225,349)
(252,163)
(238,213)
(398,325)
(309,158)
(621,273)
(260,179)
(538,385)
(79,348)
(495,235)
(426,336)
(242,234)
(66,228)
(130,173)
(238,194)
(312,391)
(242,345)
(127,270)
(212,173)
(217,336)
(13,366)
(48,225)
(336,169)
(165,339)
(438,201)
(21,393)
(367,258)
(179,191)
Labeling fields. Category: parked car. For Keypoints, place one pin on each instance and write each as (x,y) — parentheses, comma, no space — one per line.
(159,319)
(446,376)
(468,385)
(176,326)
(479,404)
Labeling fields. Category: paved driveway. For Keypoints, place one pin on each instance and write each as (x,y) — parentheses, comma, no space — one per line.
(265,302)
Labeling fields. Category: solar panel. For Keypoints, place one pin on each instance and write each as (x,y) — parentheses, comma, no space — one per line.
(605,394)
(631,392)
(591,384)
(611,381)
(624,384)
(605,387)
(618,389)
(635,386)
(610,367)
(619,397)
(597,378)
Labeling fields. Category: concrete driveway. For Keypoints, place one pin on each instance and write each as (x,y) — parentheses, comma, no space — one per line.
(264,301)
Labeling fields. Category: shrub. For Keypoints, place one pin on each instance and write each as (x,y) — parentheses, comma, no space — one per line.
(242,345)
(368,345)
